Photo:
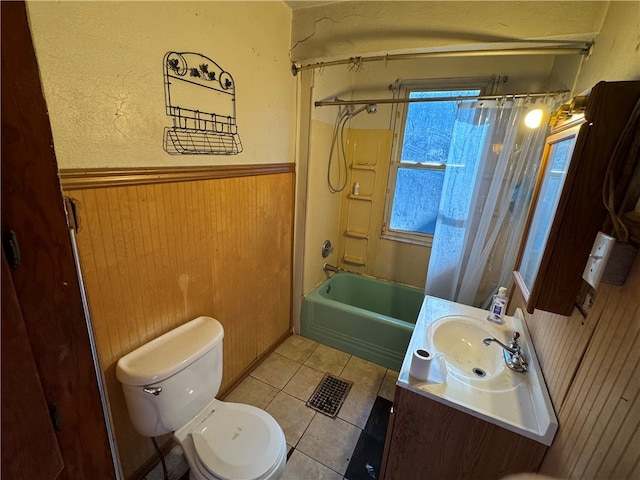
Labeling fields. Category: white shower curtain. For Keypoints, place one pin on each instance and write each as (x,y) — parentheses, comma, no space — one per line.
(491,171)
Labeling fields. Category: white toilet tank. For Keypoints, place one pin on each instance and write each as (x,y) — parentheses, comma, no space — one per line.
(169,380)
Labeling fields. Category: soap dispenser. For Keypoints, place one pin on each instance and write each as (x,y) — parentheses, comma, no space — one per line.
(498,306)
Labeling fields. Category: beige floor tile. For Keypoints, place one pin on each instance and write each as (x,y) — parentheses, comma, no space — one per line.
(302,467)
(304,383)
(363,373)
(297,348)
(252,392)
(388,387)
(276,370)
(292,415)
(330,441)
(357,406)
(327,359)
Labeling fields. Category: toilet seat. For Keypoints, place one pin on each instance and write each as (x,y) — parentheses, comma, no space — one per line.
(238,441)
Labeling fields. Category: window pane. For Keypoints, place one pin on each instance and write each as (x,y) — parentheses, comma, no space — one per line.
(416,200)
(429,126)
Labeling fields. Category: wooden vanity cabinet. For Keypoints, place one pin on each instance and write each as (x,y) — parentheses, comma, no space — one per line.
(581,212)
(427,439)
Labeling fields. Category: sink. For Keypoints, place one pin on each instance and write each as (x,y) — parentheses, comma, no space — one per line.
(476,380)
(459,339)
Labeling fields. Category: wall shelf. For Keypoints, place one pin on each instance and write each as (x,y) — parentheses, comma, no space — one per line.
(358,261)
(356,234)
(370,168)
(363,198)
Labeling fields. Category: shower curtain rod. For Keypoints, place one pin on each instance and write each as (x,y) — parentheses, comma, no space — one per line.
(379,101)
(569,48)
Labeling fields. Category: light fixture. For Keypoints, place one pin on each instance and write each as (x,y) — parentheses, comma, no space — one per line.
(533,118)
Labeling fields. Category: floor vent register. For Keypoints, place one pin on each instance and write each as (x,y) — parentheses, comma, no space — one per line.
(329,395)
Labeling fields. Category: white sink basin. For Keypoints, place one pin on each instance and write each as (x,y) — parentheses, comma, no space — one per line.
(460,340)
(477,381)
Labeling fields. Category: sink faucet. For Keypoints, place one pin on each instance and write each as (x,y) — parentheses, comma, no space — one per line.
(512,354)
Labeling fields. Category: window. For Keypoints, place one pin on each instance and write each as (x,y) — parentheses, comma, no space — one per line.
(422,140)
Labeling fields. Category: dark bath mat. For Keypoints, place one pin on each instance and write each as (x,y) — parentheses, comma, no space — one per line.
(379,418)
(329,395)
(366,460)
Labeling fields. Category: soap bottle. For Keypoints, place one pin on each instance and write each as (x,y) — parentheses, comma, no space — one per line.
(356,188)
(498,306)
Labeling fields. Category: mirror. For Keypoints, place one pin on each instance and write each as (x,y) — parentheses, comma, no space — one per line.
(553,171)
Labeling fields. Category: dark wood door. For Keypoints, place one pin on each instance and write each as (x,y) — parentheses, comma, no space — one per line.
(25,453)
(46,283)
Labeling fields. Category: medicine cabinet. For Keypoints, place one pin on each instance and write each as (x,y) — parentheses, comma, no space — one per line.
(568,210)
(553,172)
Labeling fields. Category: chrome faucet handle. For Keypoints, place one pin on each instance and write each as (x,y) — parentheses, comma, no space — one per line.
(522,361)
(518,351)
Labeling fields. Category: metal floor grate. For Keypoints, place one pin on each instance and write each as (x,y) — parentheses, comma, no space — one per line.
(329,395)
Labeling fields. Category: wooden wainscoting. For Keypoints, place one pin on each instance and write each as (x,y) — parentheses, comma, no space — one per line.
(560,344)
(599,435)
(592,367)
(155,255)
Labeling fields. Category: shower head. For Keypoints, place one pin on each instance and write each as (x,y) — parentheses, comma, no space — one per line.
(372,108)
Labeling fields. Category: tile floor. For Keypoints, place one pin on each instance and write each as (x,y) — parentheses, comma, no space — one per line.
(282,384)
(320,447)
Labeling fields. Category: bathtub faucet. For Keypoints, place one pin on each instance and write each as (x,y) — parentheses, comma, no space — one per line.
(330,268)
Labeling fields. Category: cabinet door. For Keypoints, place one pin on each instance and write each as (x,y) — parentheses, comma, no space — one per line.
(553,172)
(604,146)
(431,440)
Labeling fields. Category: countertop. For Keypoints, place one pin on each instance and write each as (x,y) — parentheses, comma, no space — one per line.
(516,401)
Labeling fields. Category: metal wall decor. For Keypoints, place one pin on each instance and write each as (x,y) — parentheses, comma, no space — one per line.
(200,97)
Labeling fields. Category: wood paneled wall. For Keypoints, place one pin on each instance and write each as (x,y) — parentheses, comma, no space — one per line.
(155,255)
(559,359)
(592,368)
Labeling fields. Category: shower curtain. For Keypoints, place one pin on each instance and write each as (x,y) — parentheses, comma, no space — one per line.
(489,179)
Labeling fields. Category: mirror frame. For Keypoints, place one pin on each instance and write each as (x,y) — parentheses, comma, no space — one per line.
(567,129)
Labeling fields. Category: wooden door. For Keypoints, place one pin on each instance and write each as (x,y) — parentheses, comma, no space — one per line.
(25,454)
(46,283)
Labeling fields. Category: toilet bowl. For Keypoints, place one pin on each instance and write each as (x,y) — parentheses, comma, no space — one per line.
(232,440)
(170,386)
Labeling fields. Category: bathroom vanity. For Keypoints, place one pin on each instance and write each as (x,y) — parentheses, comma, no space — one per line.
(471,417)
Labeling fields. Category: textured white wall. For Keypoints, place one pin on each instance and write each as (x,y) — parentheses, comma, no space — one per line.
(101,65)
(344,29)
(616,53)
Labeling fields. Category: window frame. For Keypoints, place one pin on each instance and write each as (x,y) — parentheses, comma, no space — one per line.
(402,89)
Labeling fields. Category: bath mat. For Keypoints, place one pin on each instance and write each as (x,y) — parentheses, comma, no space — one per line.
(329,395)
(366,459)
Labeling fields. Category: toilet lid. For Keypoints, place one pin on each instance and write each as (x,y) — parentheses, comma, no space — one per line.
(238,441)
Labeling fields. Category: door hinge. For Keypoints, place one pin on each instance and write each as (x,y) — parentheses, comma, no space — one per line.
(71,209)
(11,248)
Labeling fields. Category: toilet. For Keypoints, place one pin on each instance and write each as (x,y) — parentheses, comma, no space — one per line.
(170,386)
